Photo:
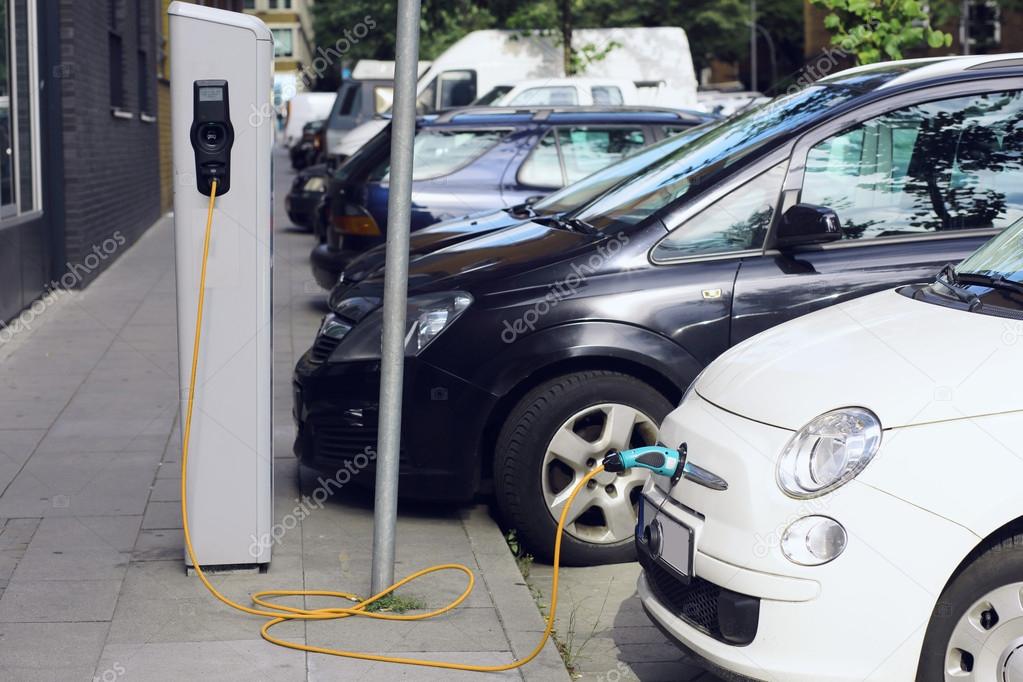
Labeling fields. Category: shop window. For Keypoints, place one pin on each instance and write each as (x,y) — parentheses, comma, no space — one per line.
(19,129)
(115,51)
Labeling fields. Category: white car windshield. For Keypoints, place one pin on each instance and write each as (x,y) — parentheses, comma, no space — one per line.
(1002,257)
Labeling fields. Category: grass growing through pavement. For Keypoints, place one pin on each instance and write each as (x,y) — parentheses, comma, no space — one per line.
(568,646)
(396,603)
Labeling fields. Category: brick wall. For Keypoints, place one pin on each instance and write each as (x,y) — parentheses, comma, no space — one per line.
(111,169)
(166,148)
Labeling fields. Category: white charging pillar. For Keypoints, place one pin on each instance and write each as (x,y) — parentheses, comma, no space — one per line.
(230,476)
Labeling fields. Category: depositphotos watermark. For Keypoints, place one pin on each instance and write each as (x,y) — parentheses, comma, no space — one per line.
(828,60)
(114,672)
(308,503)
(52,292)
(562,289)
(1012,332)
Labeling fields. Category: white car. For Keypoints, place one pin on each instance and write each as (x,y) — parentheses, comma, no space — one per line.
(543,92)
(852,507)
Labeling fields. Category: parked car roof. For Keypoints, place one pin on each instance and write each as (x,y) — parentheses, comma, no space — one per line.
(567,114)
(916,71)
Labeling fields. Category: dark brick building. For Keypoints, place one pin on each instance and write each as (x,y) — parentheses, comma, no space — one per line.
(111,181)
(80,131)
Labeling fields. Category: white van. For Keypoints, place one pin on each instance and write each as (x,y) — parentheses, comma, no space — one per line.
(367,94)
(656,60)
(483,60)
(303,108)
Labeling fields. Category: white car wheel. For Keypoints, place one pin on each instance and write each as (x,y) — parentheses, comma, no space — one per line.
(987,641)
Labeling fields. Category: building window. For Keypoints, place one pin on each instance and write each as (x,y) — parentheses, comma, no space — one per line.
(981,27)
(19,123)
(280,4)
(283,42)
(249,4)
(141,31)
(115,44)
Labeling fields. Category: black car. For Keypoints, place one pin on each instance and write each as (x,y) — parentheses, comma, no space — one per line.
(309,148)
(305,195)
(535,349)
(482,158)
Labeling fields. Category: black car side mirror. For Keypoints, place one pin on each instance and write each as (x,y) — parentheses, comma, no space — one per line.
(805,224)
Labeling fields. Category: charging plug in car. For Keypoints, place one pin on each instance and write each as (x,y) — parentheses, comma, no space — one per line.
(657,458)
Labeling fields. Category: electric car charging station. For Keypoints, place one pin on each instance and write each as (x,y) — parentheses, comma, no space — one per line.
(221,78)
(221,71)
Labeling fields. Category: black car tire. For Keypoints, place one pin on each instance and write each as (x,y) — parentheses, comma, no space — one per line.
(524,439)
(998,566)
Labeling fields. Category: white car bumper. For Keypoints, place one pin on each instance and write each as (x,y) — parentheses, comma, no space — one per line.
(862,616)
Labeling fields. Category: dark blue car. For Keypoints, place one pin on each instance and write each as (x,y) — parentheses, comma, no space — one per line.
(471,160)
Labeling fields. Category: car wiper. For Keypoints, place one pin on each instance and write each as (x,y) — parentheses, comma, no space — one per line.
(949,279)
(522,211)
(555,221)
(994,282)
(580,225)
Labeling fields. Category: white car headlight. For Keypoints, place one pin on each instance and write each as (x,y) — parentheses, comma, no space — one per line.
(813,540)
(828,452)
(317,183)
(432,315)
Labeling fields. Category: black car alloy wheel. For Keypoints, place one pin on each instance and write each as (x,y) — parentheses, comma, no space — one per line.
(552,437)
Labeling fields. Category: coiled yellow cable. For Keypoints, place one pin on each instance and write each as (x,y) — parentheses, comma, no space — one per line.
(279,613)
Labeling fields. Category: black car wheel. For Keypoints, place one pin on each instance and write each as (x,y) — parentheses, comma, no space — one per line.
(976,630)
(554,436)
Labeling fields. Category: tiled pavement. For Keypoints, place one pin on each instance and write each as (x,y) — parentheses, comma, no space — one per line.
(92,584)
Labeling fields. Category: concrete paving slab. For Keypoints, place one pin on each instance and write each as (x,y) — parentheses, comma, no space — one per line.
(51,564)
(59,601)
(166,490)
(16,446)
(159,545)
(328,669)
(31,650)
(162,515)
(111,533)
(249,660)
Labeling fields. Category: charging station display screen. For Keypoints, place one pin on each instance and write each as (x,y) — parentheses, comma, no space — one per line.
(211,95)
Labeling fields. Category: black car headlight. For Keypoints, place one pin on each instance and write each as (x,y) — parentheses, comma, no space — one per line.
(430,315)
(427,317)
(316,183)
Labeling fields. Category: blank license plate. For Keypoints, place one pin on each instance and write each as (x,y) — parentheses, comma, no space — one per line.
(677,542)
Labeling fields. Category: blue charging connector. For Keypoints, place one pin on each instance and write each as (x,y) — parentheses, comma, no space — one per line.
(657,458)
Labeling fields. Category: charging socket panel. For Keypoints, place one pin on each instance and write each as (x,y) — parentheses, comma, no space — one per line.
(212,136)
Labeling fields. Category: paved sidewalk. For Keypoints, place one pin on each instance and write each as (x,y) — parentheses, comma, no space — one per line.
(92,584)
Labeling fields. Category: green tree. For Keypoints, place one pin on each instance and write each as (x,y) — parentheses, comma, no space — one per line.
(339,27)
(878,30)
(558,19)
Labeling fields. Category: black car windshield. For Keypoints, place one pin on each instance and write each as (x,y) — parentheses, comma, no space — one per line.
(705,159)
(367,153)
(595,184)
(1002,257)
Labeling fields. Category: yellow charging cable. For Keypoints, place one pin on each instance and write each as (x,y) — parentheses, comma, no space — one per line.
(279,613)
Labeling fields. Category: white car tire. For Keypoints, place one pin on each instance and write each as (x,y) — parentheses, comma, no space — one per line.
(976,629)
